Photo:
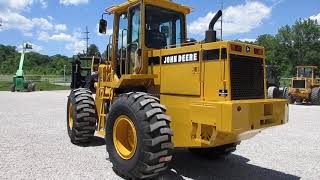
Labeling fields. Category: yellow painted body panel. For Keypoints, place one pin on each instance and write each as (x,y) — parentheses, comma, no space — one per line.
(229,120)
(180,79)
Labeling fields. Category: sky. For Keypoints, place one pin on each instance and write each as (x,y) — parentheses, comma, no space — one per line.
(57,26)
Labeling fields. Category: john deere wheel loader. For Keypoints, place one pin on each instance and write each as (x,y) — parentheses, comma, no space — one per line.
(160,90)
(305,87)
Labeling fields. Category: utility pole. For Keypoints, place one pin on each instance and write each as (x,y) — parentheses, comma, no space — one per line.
(64,73)
(87,38)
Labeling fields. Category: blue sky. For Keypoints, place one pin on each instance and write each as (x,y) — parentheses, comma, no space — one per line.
(56,26)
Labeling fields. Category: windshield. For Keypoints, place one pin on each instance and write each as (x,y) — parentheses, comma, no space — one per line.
(305,72)
(164,28)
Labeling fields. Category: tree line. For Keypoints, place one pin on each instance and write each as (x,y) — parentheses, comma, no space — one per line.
(294,45)
(36,63)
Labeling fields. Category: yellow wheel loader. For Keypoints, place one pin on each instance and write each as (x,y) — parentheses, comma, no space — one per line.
(159,90)
(305,88)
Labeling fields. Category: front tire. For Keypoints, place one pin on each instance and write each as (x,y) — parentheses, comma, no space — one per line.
(273,92)
(143,149)
(13,88)
(81,116)
(315,96)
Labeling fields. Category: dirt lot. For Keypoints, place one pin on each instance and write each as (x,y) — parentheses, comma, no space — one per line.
(34,145)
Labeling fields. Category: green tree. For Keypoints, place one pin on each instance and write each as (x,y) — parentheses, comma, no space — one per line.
(93,50)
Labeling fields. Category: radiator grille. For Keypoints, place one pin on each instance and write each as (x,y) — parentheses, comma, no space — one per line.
(247,77)
(299,84)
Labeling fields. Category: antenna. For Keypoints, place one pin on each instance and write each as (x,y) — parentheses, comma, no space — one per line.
(87,38)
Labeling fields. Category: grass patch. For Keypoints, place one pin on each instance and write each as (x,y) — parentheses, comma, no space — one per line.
(40,86)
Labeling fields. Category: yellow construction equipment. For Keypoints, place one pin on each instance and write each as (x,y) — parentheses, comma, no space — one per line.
(159,90)
(305,86)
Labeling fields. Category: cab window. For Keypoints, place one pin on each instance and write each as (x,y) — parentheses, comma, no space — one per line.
(164,28)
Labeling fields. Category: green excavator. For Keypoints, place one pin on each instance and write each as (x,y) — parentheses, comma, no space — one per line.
(19,82)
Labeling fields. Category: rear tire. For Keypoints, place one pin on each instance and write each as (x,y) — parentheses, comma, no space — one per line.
(152,152)
(81,116)
(214,152)
(291,99)
(285,93)
(13,88)
(31,87)
(315,96)
(273,92)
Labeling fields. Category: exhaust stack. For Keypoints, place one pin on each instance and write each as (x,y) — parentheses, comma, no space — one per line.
(211,34)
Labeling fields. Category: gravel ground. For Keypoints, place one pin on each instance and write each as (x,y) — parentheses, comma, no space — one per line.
(34,145)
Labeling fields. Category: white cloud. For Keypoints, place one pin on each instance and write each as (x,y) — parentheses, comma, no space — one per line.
(76,46)
(236,19)
(316,17)
(248,40)
(13,20)
(62,37)
(44,36)
(73,2)
(15,4)
(60,27)
(42,23)
(50,18)
(44,4)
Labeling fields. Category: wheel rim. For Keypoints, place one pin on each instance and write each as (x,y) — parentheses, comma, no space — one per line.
(70,115)
(125,137)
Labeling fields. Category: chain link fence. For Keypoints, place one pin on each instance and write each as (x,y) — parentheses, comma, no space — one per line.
(41,78)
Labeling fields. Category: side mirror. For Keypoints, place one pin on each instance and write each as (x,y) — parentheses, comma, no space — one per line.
(103,26)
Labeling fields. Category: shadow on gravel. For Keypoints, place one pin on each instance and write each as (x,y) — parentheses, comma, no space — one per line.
(184,164)
(96,141)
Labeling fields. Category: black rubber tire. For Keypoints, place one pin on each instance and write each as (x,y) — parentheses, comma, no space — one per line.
(84,116)
(315,96)
(273,92)
(214,152)
(285,93)
(153,153)
(13,88)
(291,100)
(31,87)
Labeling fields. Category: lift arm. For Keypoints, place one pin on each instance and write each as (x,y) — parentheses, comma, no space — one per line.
(24,48)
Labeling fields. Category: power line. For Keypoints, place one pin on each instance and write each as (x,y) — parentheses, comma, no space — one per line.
(87,38)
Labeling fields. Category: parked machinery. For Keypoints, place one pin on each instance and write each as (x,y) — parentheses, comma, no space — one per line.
(273,84)
(161,91)
(84,71)
(305,86)
(19,82)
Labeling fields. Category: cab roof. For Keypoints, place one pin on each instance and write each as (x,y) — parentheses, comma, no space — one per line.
(315,67)
(162,3)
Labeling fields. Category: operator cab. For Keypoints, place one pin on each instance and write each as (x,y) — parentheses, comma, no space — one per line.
(306,72)
(162,23)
